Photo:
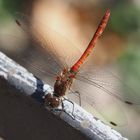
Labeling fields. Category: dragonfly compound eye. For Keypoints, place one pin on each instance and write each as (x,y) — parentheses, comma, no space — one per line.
(48,99)
(54,102)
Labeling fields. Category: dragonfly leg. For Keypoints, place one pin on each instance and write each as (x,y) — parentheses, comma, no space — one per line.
(72,106)
(63,110)
(79,96)
(57,109)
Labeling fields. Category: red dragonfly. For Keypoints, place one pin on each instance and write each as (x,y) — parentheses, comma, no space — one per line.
(65,76)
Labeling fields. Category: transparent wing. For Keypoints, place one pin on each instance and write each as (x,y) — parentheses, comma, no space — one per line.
(111,84)
(59,46)
(95,99)
(33,58)
(42,57)
(38,38)
(102,90)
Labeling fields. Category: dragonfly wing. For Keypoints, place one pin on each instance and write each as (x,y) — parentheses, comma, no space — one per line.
(38,37)
(111,84)
(37,61)
(59,46)
(93,98)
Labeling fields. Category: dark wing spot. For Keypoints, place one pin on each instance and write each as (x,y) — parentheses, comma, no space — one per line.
(17,22)
(113,123)
(77,91)
(127,102)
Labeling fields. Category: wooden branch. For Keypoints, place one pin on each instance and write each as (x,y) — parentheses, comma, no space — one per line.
(85,122)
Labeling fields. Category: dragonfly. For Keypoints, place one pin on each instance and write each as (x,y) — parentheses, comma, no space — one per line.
(66,79)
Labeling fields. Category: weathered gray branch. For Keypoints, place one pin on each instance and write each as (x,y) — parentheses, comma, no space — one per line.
(24,81)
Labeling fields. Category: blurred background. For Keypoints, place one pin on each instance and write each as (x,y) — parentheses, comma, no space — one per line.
(72,24)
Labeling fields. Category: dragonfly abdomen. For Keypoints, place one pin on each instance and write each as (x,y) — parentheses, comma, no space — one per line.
(92,43)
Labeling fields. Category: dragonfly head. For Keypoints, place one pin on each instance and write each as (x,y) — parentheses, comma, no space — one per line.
(51,100)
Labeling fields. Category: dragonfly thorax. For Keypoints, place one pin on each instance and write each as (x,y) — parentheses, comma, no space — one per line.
(63,83)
